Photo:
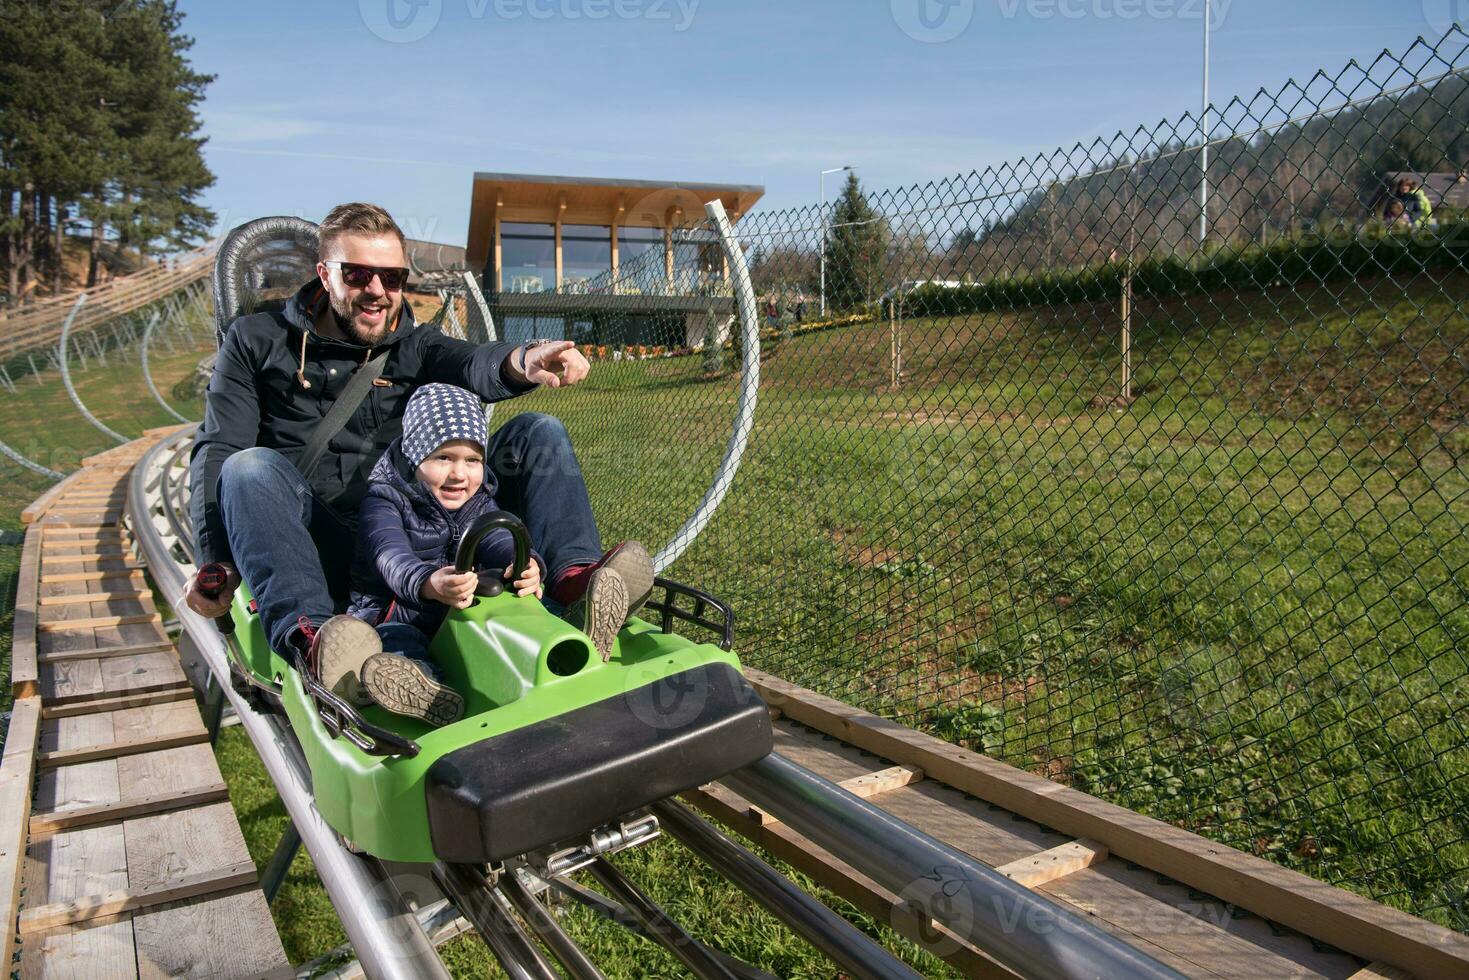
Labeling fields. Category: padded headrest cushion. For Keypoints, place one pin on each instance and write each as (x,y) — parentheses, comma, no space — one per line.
(261,260)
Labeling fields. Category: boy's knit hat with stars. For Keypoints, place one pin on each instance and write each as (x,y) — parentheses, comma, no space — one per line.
(440,413)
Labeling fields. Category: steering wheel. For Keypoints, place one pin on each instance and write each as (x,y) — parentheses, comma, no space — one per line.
(474,534)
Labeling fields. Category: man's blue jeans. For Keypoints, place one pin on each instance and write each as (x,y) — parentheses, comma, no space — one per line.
(295,551)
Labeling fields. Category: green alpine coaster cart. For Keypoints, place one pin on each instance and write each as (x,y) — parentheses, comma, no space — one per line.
(558,752)
(554,743)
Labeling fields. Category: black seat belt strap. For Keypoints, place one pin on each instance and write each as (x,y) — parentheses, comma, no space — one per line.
(342,409)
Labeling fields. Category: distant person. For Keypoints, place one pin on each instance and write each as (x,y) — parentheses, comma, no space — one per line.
(1415,202)
(772,312)
(800,308)
(1395,215)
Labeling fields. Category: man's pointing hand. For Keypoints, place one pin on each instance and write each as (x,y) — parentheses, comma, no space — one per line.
(553,364)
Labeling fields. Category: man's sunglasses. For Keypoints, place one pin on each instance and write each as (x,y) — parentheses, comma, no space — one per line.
(360,276)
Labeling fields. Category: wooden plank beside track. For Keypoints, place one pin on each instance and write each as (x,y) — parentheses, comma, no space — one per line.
(231,935)
(45,825)
(1332,915)
(87,597)
(134,700)
(74,481)
(16,772)
(104,653)
(92,622)
(122,747)
(101,575)
(23,666)
(120,900)
(1056,862)
(66,867)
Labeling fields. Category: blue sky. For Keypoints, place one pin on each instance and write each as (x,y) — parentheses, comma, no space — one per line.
(322,102)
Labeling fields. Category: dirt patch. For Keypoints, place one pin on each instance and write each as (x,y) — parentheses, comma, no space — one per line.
(958,683)
(861,555)
(1056,768)
(1105,402)
(870,557)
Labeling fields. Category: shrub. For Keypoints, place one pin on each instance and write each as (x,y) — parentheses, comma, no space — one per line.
(1319,255)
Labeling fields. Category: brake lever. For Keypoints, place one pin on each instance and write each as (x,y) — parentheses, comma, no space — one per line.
(210,581)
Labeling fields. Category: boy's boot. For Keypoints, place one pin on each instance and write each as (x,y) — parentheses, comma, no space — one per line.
(402,686)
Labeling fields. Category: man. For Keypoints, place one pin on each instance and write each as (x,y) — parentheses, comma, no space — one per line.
(290,533)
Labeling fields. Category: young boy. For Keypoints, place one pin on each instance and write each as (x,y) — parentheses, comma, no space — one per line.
(426,489)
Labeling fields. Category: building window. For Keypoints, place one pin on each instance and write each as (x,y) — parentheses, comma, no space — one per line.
(634,242)
(519,329)
(528,257)
(586,253)
(640,261)
(697,262)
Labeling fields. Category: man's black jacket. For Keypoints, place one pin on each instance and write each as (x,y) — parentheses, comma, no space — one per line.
(256,399)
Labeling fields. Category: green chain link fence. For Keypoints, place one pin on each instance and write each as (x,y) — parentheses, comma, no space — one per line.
(1177,521)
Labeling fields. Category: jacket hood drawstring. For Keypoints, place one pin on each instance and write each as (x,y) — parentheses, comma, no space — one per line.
(301,366)
(301,370)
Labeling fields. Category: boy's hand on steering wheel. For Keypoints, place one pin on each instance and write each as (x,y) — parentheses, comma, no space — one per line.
(452,588)
(530,582)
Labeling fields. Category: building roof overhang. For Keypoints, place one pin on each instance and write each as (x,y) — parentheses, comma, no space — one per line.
(593,201)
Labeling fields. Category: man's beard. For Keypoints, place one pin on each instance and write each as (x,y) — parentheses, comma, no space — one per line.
(358,335)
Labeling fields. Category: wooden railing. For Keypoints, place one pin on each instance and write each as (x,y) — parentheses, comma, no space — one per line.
(39,324)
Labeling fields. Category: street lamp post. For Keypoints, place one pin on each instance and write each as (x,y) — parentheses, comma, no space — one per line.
(833,170)
(1204,141)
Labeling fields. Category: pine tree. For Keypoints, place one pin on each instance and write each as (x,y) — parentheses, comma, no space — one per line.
(856,243)
(52,125)
(97,122)
(162,172)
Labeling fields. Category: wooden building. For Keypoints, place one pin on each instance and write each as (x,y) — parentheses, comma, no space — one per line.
(600,260)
